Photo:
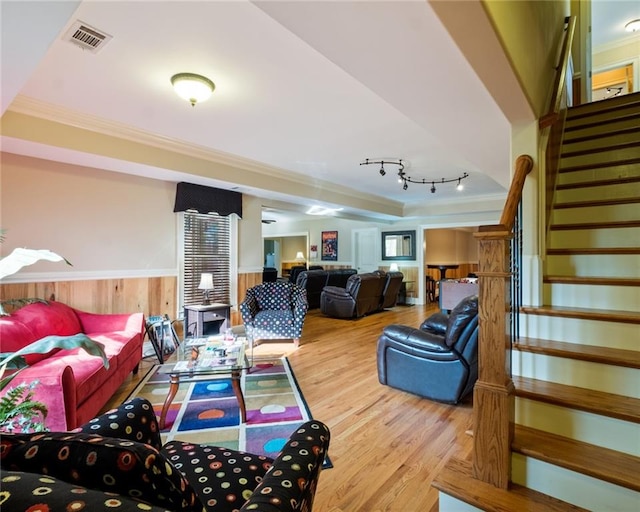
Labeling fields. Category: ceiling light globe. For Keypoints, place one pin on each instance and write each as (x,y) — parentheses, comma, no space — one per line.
(633,26)
(460,187)
(191,87)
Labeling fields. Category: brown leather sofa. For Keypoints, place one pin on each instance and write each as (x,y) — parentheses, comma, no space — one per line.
(314,281)
(363,294)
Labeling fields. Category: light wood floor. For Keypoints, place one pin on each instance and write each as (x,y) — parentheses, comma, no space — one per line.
(386,445)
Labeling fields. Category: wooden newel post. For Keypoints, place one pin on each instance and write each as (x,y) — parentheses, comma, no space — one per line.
(493,395)
(494,392)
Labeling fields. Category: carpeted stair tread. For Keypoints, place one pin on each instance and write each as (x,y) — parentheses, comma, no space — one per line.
(612,466)
(456,479)
(591,353)
(597,402)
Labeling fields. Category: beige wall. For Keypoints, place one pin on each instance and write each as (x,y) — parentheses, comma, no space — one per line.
(106,224)
(531,31)
(450,246)
(629,52)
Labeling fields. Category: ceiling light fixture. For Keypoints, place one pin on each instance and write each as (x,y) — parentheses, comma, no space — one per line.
(192,87)
(632,26)
(404,179)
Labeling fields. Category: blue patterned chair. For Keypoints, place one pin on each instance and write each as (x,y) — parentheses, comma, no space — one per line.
(116,462)
(274,311)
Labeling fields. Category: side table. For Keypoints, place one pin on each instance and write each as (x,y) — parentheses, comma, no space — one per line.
(206,319)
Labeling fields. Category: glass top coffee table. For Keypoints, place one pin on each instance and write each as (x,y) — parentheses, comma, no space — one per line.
(199,358)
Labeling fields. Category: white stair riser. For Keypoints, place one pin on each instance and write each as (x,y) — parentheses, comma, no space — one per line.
(448,503)
(614,212)
(613,155)
(613,191)
(581,490)
(618,435)
(582,374)
(594,238)
(588,175)
(594,265)
(587,332)
(625,298)
(603,141)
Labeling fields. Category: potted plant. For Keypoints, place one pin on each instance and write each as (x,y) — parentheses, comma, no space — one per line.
(18,410)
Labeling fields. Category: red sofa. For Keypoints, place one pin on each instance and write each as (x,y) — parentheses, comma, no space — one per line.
(73,384)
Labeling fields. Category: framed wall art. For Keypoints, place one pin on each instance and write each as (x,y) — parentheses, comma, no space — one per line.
(329,246)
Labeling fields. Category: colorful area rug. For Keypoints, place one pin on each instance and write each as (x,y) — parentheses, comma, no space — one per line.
(207,412)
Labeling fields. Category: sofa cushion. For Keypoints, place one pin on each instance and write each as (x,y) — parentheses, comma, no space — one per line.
(124,467)
(230,476)
(45,319)
(14,335)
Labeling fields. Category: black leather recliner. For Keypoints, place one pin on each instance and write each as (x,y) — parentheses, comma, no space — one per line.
(361,296)
(313,281)
(439,360)
(391,289)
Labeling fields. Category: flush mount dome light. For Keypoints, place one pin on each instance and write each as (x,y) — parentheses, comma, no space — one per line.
(633,26)
(192,87)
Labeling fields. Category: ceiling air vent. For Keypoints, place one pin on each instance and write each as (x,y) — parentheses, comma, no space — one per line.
(87,37)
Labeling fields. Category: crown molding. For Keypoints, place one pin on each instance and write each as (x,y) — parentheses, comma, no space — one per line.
(613,45)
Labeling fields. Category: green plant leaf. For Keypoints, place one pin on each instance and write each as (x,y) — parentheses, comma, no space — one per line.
(20,257)
(15,360)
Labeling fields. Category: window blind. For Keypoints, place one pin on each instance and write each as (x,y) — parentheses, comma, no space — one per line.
(207,242)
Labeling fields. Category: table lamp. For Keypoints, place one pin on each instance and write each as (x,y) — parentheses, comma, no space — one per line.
(300,257)
(206,284)
(393,267)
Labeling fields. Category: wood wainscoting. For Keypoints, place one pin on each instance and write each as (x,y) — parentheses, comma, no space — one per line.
(149,295)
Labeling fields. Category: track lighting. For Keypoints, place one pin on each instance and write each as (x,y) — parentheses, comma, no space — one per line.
(405,180)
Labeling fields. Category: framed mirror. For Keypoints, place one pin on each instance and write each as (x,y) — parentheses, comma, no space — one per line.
(399,245)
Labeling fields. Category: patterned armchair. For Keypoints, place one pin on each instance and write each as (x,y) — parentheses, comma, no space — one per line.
(116,462)
(274,311)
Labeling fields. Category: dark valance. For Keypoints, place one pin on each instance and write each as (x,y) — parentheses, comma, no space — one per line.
(207,199)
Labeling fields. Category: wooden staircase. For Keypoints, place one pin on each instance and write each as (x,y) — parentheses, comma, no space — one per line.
(576,369)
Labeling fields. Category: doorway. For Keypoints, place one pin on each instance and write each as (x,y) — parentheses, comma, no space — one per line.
(365,249)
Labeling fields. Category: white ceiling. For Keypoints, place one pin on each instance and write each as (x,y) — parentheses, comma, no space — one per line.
(305,91)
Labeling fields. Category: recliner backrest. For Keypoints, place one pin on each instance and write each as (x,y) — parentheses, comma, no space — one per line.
(340,276)
(313,281)
(392,286)
(461,320)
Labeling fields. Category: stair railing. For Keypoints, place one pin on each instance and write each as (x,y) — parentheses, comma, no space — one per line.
(552,124)
(493,395)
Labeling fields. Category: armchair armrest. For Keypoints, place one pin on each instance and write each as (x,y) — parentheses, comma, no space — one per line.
(249,309)
(290,484)
(134,420)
